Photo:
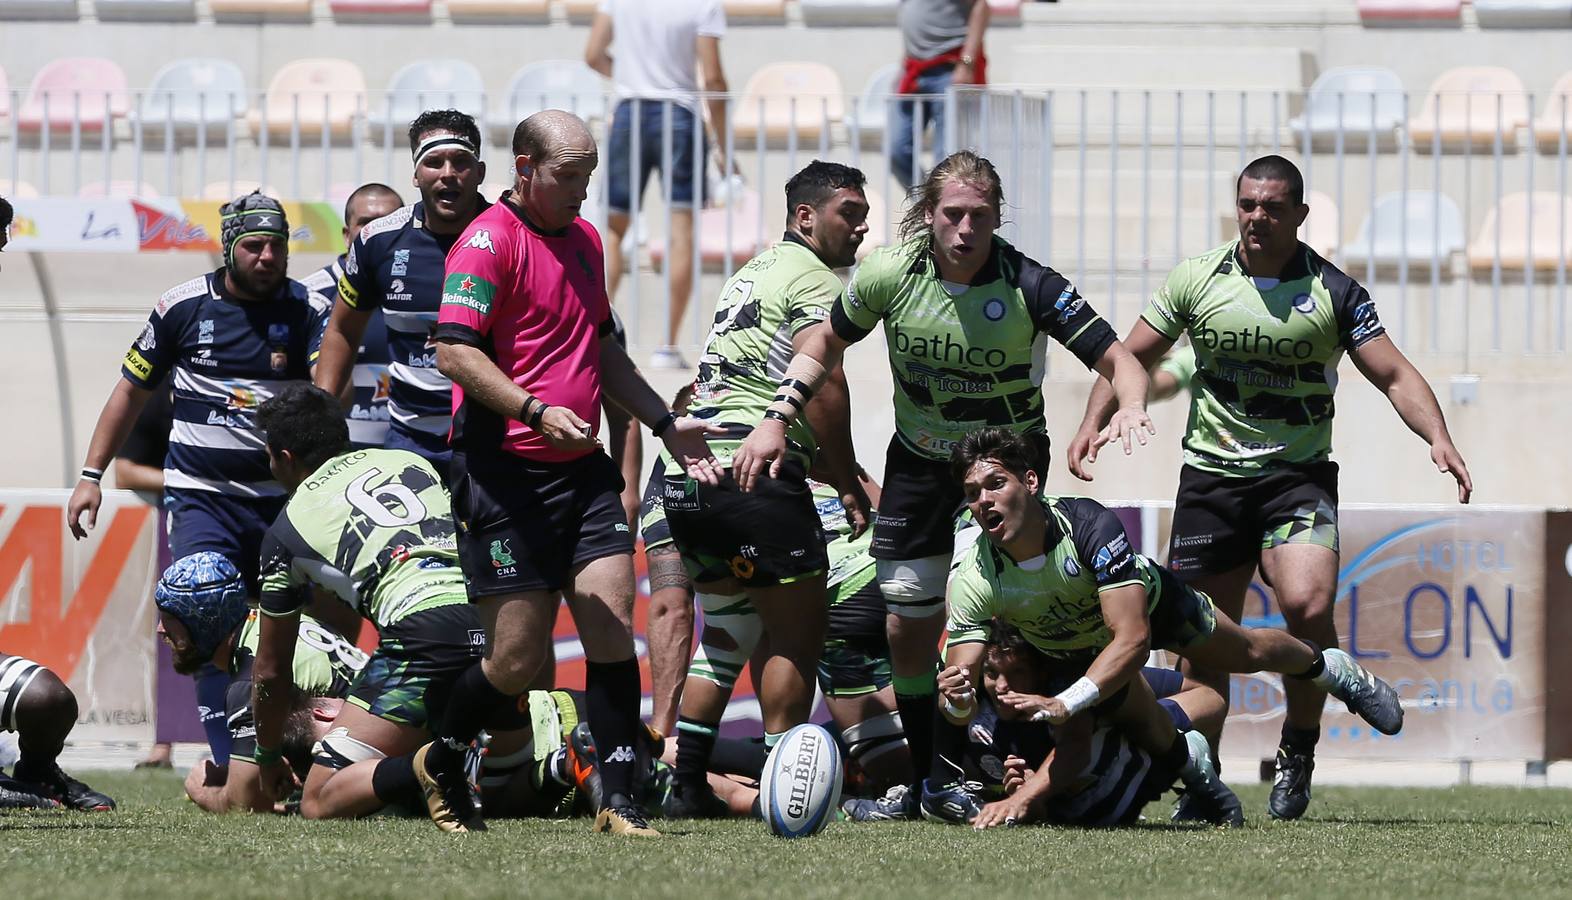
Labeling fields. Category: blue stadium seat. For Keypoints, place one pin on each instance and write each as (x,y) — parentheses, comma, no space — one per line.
(427,84)
(1353,100)
(189,96)
(872,108)
(1422,226)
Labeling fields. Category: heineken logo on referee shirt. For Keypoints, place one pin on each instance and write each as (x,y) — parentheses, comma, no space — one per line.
(463,289)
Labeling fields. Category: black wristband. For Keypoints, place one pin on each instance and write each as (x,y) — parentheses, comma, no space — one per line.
(777,415)
(664,423)
(535,417)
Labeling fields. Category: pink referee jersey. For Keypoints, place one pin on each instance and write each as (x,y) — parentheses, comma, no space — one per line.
(537,304)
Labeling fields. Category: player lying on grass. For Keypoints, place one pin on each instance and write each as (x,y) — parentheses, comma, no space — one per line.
(41,710)
(1061,570)
(1083,772)
(202,615)
(853,674)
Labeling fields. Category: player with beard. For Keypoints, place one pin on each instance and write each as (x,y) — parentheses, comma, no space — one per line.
(395,265)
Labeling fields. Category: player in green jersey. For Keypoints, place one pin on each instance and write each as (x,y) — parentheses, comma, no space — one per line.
(373,528)
(966,317)
(1270,320)
(764,548)
(1061,570)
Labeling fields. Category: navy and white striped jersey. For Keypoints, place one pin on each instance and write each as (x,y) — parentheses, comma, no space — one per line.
(228,357)
(368,413)
(396,265)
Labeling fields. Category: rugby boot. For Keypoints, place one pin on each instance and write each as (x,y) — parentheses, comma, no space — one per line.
(450,800)
(55,783)
(1291,787)
(1210,799)
(899,803)
(18,795)
(622,816)
(584,765)
(955,802)
(1371,698)
(693,801)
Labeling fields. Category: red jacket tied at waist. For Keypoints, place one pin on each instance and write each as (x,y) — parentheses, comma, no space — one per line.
(916,67)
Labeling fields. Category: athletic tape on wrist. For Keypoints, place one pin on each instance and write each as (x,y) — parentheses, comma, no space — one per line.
(961,711)
(1084,693)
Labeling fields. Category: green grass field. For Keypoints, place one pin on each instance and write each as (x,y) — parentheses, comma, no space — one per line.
(1363,842)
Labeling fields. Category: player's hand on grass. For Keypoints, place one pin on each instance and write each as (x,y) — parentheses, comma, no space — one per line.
(85,498)
(1015,773)
(278,780)
(1448,461)
(564,430)
(685,440)
(1083,451)
(763,450)
(1004,813)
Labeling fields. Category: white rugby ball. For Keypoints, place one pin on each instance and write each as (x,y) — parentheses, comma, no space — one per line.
(801,787)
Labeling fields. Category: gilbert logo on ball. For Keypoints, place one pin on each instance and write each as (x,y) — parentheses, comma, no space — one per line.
(801,787)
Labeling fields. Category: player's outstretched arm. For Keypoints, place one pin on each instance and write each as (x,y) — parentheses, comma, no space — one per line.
(1052,777)
(340,345)
(114,425)
(683,435)
(272,687)
(1389,370)
(1108,397)
(960,680)
(819,350)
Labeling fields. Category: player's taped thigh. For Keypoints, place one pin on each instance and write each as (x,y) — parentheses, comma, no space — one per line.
(874,737)
(728,619)
(337,750)
(914,588)
(16,676)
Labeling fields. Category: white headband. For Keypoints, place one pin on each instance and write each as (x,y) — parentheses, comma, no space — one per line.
(439,140)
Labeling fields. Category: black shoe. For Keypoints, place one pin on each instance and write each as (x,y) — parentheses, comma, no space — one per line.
(56,784)
(1187,809)
(1291,788)
(621,815)
(694,801)
(1205,796)
(584,765)
(19,795)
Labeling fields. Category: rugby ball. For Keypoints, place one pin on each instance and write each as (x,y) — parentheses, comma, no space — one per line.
(801,787)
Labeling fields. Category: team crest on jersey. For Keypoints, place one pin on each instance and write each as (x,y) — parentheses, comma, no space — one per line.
(400,263)
(1304,303)
(205,331)
(1069,303)
(1071,567)
(351,263)
(148,339)
(481,240)
(993,310)
(502,556)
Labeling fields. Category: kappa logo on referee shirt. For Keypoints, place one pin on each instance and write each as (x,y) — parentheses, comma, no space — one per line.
(481,240)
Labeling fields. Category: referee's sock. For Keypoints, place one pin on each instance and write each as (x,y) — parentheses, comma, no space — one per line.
(611,698)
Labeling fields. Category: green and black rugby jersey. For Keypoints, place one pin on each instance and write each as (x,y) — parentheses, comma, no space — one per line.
(772,297)
(1053,599)
(966,356)
(1266,353)
(375,527)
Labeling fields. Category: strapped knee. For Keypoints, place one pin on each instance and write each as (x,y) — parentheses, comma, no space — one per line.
(872,738)
(16,676)
(337,750)
(914,588)
(729,619)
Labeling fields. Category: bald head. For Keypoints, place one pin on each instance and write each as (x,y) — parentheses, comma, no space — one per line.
(551,134)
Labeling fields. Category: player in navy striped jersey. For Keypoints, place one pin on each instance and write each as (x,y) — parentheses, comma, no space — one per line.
(231,339)
(41,710)
(367,415)
(396,265)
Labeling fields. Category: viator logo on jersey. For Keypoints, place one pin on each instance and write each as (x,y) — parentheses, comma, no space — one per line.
(1253,341)
(481,240)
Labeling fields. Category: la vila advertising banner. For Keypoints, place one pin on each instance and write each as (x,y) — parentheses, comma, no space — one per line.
(127,225)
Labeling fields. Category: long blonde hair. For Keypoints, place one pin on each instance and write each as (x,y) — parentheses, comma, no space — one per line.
(962,166)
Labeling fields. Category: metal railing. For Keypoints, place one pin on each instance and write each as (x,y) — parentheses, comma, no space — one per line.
(1113,187)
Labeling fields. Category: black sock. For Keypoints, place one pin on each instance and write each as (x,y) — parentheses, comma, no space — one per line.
(1177,756)
(918,722)
(948,741)
(611,695)
(393,781)
(1299,740)
(471,704)
(737,757)
(1316,668)
(695,744)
